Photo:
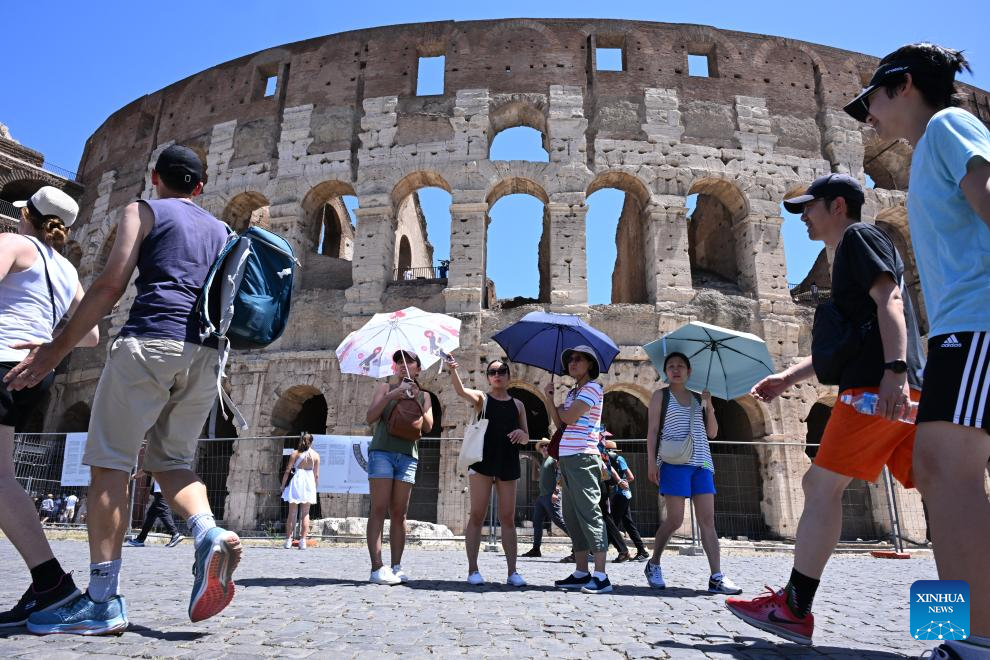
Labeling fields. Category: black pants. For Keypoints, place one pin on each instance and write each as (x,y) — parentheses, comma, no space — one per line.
(613,533)
(622,515)
(158,509)
(544,509)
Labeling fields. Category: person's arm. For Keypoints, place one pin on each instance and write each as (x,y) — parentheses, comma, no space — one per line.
(894,390)
(475,397)
(427,412)
(520,436)
(106,290)
(652,434)
(548,393)
(13,253)
(975,187)
(776,384)
(316,468)
(288,467)
(711,423)
(91,338)
(380,399)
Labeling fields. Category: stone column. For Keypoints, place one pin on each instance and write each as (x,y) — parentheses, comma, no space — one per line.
(760,253)
(842,142)
(373,256)
(568,258)
(668,275)
(465,290)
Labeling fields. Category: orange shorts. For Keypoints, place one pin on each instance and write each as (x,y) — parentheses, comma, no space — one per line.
(858,446)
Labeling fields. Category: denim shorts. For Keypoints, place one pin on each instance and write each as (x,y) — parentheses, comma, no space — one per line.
(686,480)
(392,465)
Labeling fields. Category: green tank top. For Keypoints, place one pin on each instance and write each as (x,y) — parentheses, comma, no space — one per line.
(381,440)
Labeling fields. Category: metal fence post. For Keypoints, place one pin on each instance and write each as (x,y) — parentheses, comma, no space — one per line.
(895,522)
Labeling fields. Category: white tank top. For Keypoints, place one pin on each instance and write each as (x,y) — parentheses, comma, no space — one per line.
(26,306)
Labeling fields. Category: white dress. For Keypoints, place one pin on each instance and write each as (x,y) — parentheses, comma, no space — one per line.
(302,486)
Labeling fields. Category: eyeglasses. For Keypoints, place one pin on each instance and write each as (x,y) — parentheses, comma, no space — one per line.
(804,211)
(576,356)
(499,371)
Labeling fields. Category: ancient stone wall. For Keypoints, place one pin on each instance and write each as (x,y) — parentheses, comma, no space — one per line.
(344,119)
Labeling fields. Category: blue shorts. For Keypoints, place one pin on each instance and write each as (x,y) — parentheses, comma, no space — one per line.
(686,480)
(392,465)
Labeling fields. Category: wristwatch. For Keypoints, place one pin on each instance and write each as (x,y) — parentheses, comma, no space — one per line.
(897,366)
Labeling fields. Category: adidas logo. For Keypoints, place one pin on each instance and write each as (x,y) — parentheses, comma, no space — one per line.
(951,342)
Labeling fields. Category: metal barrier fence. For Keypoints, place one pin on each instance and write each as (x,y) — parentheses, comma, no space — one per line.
(420,273)
(875,513)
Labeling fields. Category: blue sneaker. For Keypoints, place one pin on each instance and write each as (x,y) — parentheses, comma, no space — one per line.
(82,616)
(213,588)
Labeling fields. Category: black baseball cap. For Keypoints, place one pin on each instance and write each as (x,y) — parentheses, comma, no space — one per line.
(180,167)
(830,185)
(857,108)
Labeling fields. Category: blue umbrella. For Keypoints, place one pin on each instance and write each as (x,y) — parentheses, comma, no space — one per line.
(723,361)
(539,338)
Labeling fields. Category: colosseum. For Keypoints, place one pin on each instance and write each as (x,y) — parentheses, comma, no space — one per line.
(288,132)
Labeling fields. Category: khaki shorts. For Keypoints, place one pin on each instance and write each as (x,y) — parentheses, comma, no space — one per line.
(162,389)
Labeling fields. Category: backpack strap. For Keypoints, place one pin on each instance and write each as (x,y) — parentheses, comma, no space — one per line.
(48,278)
(664,402)
(704,417)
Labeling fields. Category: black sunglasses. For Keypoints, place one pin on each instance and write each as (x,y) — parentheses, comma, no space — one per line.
(499,371)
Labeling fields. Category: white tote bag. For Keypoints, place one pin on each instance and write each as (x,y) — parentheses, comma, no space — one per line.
(473,448)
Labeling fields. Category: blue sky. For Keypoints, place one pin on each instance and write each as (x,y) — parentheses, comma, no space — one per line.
(62,81)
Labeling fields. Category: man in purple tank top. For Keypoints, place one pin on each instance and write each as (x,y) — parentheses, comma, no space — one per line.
(159,383)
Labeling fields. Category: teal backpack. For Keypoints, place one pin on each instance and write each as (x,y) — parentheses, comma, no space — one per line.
(245,299)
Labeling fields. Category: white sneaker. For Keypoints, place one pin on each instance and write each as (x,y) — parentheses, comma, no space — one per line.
(476,579)
(654,575)
(384,575)
(302,543)
(399,573)
(515,580)
(722,585)
(288,544)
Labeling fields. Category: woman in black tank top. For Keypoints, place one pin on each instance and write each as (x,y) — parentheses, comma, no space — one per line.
(506,434)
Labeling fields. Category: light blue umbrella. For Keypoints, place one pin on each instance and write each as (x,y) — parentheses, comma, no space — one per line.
(726,362)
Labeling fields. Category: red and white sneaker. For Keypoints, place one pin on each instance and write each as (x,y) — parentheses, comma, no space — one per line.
(770,612)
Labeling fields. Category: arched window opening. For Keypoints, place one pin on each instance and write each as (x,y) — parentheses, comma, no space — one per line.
(857,506)
(520,143)
(737,474)
(247,209)
(517,251)
(615,237)
(423,235)
(335,224)
(75,419)
(712,244)
(537,418)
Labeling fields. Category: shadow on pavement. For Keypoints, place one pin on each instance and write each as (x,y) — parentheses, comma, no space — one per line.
(167,636)
(747,648)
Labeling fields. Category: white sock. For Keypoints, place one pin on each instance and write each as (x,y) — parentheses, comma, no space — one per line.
(579,574)
(599,575)
(200,524)
(103,580)
(717,576)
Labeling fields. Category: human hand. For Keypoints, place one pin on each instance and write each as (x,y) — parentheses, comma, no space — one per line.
(770,388)
(548,390)
(40,361)
(893,395)
(518,437)
(653,472)
(706,396)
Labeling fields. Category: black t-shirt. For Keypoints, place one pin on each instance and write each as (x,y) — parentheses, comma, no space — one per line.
(864,253)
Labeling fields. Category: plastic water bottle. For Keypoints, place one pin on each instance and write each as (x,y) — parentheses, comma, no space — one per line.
(866,403)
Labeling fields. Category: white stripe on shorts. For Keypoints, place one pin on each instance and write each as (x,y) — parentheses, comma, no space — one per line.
(969,386)
(981,407)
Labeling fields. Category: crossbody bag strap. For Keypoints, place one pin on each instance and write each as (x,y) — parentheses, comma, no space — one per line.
(48,278)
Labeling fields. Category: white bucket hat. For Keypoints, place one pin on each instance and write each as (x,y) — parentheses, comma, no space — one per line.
(584,349)
(52,201)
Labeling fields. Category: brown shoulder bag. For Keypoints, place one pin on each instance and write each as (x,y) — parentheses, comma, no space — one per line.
(406,420)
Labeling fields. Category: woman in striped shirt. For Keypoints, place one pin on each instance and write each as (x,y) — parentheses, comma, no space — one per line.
(676,413)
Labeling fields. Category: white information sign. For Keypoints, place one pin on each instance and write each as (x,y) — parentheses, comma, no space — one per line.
(74,473)
(343,463)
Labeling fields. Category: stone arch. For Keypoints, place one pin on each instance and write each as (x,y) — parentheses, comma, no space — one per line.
(326,216)
(537,416)
(413,182)
(403,260)
(545,38)
(761,54)
(518,113)
(857,506)
(713,250)
(629,282)
(410,224)
(300,408)
(519,186)
(246,209)
(624,414)
(75,419)
(21,184)
(738,473)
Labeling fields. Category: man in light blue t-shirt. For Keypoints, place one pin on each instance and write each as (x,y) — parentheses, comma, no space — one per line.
(911,96)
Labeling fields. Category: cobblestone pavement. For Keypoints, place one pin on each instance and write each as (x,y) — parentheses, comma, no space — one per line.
(319,603)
